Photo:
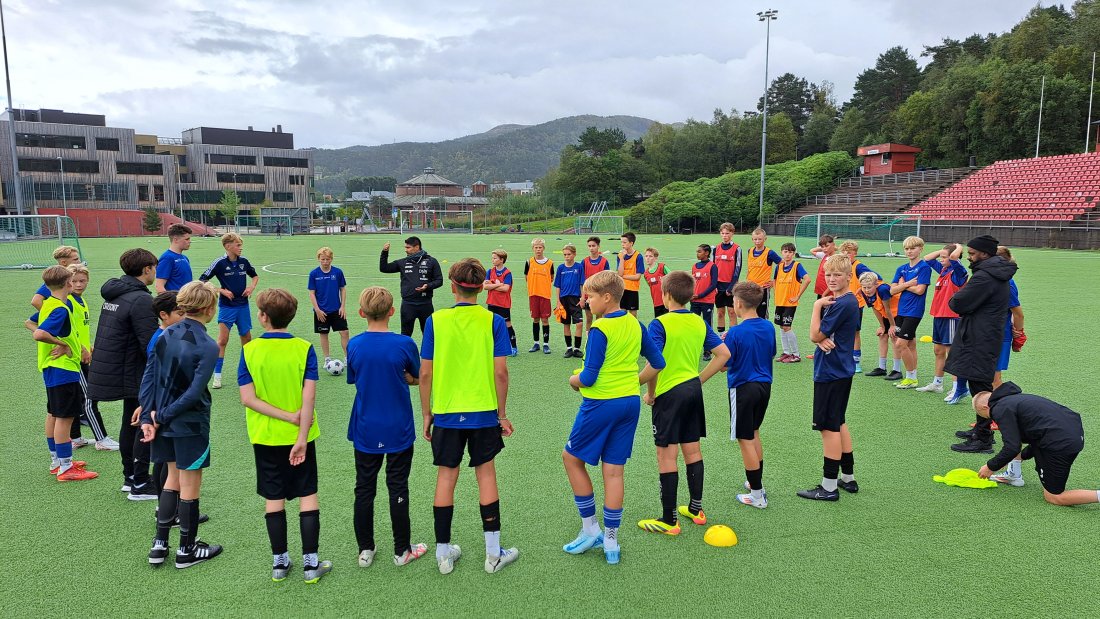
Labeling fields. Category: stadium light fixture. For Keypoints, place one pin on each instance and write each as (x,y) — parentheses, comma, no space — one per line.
(64,202)
(767,17)
(11,120)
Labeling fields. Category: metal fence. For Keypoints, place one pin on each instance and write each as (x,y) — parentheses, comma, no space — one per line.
(901,178)
(884,197)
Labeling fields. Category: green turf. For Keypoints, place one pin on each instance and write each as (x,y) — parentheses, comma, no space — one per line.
(903,546)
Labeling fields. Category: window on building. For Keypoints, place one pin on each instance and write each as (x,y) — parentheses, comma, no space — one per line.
(40,140)
(140,168)
(297,179)
(282,196)
(230,159)
(74,166)
(158,193)
(240,177)
(143,193)
(286,162)
(106,144)
(181,160)
(145,149)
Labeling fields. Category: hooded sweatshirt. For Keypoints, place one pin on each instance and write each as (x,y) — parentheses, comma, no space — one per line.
(982,306)
(1045,426)
(126,323)
(416,270)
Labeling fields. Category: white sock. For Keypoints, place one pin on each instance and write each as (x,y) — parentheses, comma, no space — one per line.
(591,526)
(442,550)
(757,494)
(611,538)
(1098,496)
(897,365)
(882,363)
(1014,468)
(492,544)
(828,484)
(54,462)
(783,342)
(937,380)
(847,478)
(911,375)
(794,343)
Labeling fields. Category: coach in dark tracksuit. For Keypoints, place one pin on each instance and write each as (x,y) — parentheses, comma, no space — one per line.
(420,275)
(1053,433)
(982,306)
(126,324)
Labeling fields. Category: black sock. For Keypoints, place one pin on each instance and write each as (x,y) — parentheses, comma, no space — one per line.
(669,484)
(754,478)
(490,516)
(577,342)
(545,334)
(761,467)
(721,329)
(512,335)
(695,486)
(276,531)
(443,516)
(310,523)
(568,341)
(535,331)
(847,463)
(166,513)
(831,469)
(189,523)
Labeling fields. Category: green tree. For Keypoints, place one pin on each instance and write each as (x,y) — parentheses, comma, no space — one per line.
(601,141)
(229,205)
(819,130)
(152,221)
(881,89)
(851,130)
(790,95)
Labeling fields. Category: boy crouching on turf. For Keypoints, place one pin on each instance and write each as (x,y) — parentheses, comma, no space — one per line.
(382,365)
(676,395)
(609,411)
(833,328)
(751,343)
(463,394)
(277,375)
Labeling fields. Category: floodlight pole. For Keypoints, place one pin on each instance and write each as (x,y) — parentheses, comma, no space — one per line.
(1092,84)
(11,120)
(64,202)
(766,17)
(1039,130)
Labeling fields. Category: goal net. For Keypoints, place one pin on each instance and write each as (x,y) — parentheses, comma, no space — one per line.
(599,224)
(878,234)
(415,220)
(28,241)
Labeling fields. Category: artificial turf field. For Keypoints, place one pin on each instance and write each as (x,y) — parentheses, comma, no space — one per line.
(903,546)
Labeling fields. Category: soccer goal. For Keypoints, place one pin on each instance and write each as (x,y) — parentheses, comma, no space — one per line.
(599,224)
(28,241)
(431,221)
(878,234)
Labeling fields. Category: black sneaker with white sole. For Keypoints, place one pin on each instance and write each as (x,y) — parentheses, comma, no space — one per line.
(894,375)
(159,553)
(851,487)
(144,492)
(820,494)
(199,552)
(876,372)
(974,446)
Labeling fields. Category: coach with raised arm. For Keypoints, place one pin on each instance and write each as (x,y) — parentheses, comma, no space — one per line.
(420,275)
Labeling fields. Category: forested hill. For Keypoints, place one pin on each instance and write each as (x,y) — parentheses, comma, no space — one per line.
(505,153)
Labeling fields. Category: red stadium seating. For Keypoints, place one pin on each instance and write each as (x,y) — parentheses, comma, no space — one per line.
(1057,188)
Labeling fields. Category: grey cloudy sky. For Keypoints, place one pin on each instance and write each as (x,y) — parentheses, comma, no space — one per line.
(338,73)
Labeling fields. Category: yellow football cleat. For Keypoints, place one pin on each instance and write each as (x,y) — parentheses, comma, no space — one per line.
(654,525)
(699,519)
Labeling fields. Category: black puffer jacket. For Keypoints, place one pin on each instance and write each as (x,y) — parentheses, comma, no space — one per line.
(982,306)
(1039,423)
(416,270)
(126,324)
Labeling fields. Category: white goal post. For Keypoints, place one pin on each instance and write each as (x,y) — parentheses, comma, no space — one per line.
(433,221)
(878,234)
(28,241)
(599,224)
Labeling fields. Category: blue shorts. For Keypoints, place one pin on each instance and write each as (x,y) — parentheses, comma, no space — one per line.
(239,316)
(943,330)
(604,430)
(1006,351)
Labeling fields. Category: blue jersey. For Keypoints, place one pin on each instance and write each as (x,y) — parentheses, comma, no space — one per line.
(58,325)
(839,322)
(233,276)
(1013,302)
(502,347)
(184,362)
(175,269)
(43,291)
(381,413)
(568,279)
(752,346)
(327,288)
(912,304)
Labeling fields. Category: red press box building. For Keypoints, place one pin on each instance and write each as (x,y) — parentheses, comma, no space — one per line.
(888,158)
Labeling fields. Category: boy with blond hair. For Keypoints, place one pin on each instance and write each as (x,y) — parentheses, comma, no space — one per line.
(539,271)
(328,294)
(850,249)
(759,261)
(498,284)
(277,375)
(833,329)
(727,256)
(609,411)
(382,365)
(81,322)
(64,255)
(568,281)
(791,282)
(233,271)
(876,295)
(910,282)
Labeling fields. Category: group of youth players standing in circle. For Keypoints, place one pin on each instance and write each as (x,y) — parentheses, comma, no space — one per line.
(461,373)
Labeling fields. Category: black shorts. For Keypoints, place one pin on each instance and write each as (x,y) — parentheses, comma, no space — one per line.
(65,401)
(784,315)
(859,323)
(831,404)
(678,415)
(704,310)
(483,444)
(906,328)
(762,309)
(503,312)
(277,480)
(574,315)
(1053,468)
(748,403)
(629,300)
(333,322)
(723,299)
(659,310)
(190,453)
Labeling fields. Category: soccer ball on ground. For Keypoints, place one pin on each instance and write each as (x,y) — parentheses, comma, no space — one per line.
(26,266)
(334,367)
